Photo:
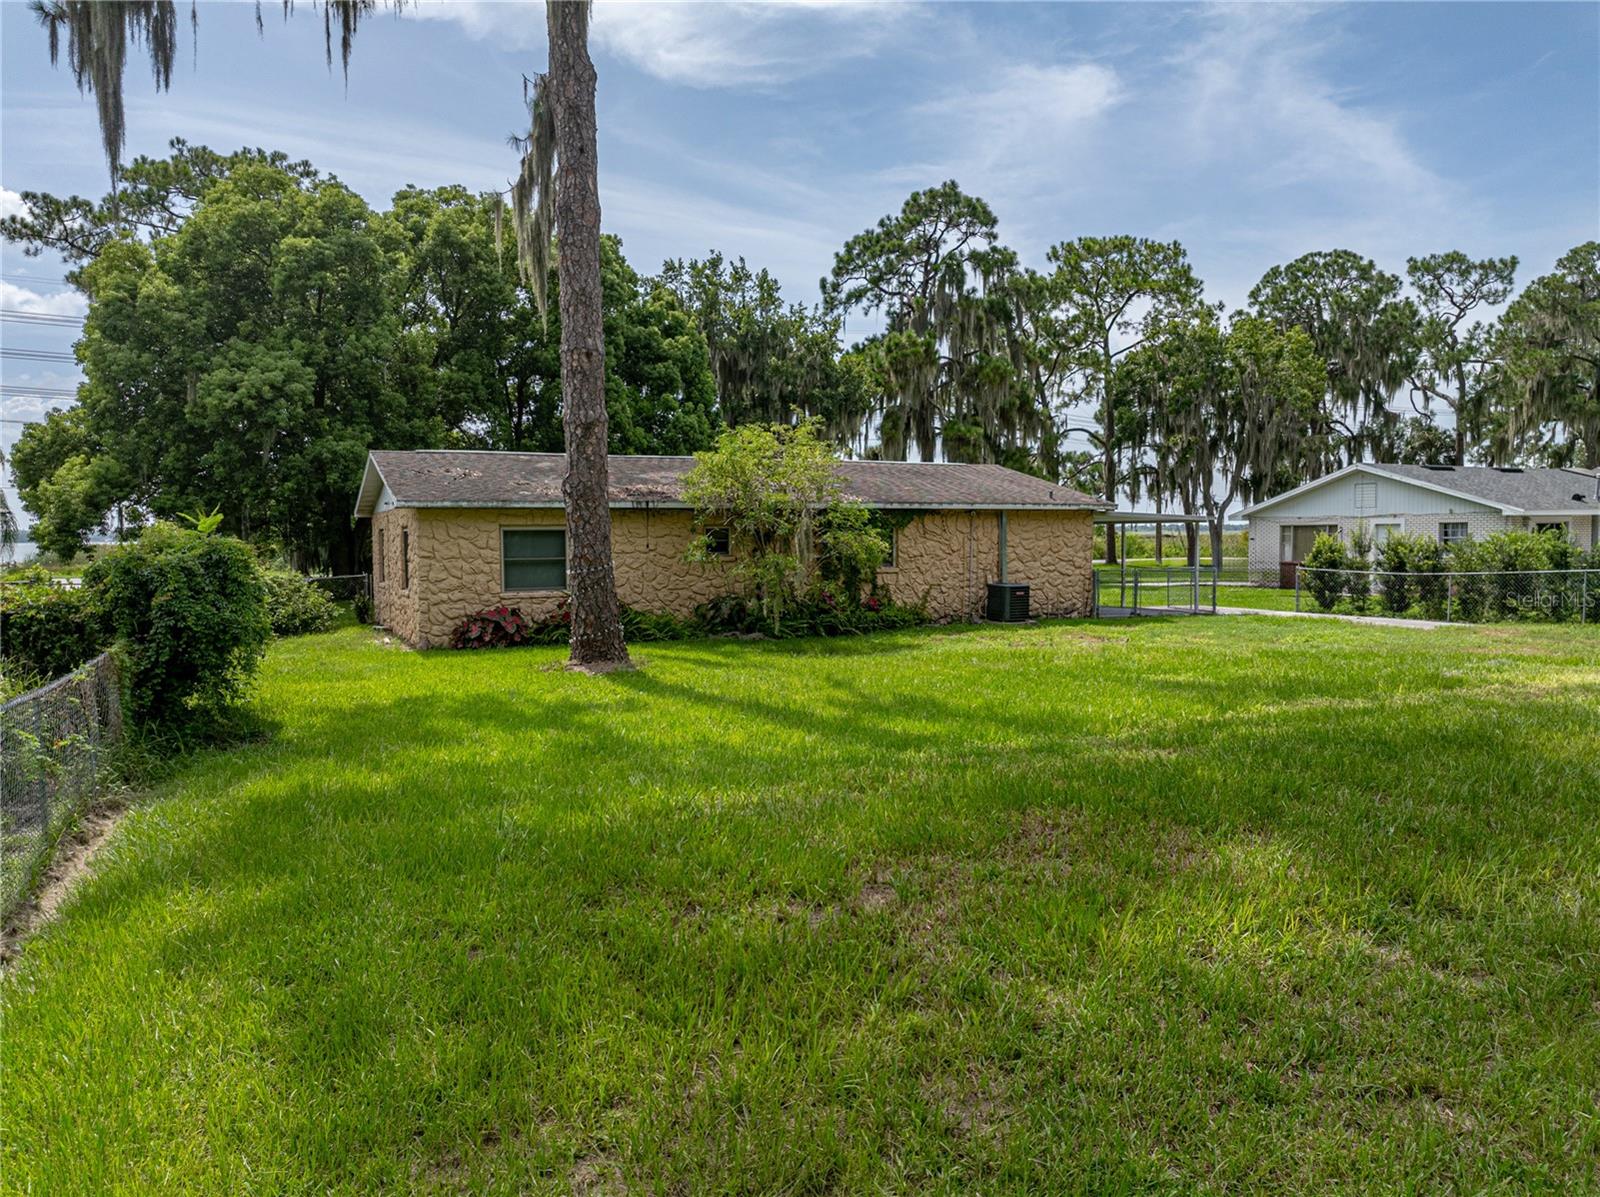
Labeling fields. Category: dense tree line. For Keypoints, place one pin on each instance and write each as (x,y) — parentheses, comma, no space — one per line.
(255,327)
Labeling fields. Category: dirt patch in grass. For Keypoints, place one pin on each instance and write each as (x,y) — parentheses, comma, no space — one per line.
(73,857)
(596,1175)
(973,1106)
(876,896)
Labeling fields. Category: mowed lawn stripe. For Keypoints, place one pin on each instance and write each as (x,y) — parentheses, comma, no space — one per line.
(1158,906)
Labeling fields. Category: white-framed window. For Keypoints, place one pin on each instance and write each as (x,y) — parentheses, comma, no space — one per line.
(533,558)
(1557,526)
(718,542)
(1452,532)
(1381,533)
(1366,497)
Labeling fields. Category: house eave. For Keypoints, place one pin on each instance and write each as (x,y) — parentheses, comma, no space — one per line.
(676,505)
(1363,467)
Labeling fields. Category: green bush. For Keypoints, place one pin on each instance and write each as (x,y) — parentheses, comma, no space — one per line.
(46,629)
(1411,564)
(824,613)
(189,611)
(296,607)
(1327,554)
(1501,582)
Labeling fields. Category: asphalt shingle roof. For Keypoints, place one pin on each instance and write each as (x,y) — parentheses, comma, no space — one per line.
(471,478)
(1529,490)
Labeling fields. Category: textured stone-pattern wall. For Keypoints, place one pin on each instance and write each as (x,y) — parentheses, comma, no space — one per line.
(395,606)
(647,548)
(948,558)
(461,565)
(1052,552)
(944,558)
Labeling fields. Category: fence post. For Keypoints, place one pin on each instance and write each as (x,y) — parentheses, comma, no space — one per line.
(1297,570)
(1136,592)
(1449,598)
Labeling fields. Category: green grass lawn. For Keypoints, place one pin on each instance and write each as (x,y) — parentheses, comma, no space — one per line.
(1174,906)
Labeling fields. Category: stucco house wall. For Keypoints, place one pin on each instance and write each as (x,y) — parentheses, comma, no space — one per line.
(943,558)
(396,605)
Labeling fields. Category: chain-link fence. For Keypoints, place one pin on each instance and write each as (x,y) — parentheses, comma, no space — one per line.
(1525,596)
(55,746)
(1140,590)
(343,587)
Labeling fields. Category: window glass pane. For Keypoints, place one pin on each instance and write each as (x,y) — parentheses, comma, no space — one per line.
(717,541)
(534,558)
(535,542)
(535,575)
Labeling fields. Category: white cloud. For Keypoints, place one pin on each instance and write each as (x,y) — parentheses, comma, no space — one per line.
(1253,89)
(20,299)
(1020,122)
(11,203)
(703,45)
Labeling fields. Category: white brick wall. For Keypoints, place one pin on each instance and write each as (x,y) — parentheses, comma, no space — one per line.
(1265,530)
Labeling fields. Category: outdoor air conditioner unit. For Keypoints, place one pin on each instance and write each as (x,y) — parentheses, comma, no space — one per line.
(1008,602)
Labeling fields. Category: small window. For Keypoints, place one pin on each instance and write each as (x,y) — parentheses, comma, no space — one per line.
(1366,496)
(405,558)
(1452,533)
(893,559)
(381,552)
(1383,533)
(1559,527)
(718,543)
(533,558)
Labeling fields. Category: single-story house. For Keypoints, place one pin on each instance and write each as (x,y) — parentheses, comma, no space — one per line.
(1449,503)
(456,531)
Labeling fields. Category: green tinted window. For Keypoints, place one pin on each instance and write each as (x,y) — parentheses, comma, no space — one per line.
(534,558)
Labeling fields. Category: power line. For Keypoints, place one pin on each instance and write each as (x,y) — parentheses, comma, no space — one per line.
(38,280)
(19,391)
(38,355)
(43,318)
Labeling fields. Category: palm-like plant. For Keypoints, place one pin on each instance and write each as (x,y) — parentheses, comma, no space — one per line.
(561,139)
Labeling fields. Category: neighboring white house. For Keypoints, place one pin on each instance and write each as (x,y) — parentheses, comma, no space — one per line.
(1447,502)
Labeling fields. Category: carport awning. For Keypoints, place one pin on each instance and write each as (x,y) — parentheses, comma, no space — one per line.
(1146,517)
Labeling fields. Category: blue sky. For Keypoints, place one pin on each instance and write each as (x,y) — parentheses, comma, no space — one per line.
(1252,133)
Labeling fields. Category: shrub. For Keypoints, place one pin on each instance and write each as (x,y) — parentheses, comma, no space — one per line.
(642,626)
(825,613)
(1327,555)
(362,605)
(47,629)
(189,610)
(295,606)
(776,490)
(496,627)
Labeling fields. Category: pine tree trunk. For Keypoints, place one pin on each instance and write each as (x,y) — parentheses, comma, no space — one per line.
(596,623)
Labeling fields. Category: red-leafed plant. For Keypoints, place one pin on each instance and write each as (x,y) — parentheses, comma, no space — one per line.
(497,627)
